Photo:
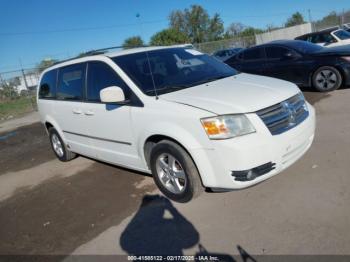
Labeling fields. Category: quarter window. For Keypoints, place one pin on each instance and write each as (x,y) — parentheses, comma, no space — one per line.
(71,82)
(100,76)
(48,85)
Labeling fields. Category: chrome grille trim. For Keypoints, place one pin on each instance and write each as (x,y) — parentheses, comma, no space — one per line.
(285,115)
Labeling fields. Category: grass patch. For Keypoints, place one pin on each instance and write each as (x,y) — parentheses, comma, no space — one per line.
(15,107)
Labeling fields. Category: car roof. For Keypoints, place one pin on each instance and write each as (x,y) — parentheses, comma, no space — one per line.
(104,53)
(326,30)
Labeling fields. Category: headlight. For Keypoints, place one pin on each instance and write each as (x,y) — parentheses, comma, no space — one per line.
(227,126)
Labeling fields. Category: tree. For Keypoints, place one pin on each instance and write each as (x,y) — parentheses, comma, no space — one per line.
(296,19)
(134,41)
(45,63)
(196,24)
(216,28)
(169,36)
(234,29)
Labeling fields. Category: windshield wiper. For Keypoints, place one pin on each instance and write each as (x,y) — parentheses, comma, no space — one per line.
(175,87)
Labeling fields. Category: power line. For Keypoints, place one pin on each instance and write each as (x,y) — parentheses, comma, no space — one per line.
(78,29)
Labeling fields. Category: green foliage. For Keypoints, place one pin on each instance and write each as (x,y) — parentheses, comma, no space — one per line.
(296,19)
(196,24)
(134,41)
(169,36)
(44,64)
(16,106)
(331,19)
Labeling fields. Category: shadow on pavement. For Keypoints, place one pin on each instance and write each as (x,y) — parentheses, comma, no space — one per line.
(159,229)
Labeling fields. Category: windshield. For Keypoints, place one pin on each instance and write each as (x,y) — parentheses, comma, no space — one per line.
(342,34)
(305,47)
(171,69)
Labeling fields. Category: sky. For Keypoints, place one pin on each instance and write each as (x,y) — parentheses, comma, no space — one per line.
(32,30)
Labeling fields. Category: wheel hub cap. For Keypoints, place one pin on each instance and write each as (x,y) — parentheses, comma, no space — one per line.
(171,174)
(57,145)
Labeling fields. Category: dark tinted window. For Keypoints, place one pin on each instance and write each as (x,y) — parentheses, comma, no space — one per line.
(322,38)
(253,54)
(48,85)
(276,52)
(101,75)
(71,82)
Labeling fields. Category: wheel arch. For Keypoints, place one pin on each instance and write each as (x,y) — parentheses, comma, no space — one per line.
(152,140)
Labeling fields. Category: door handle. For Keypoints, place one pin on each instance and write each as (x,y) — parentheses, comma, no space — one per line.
(89,113)
(77,111)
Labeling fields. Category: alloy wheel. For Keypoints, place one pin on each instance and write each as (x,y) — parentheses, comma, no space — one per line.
(170,173)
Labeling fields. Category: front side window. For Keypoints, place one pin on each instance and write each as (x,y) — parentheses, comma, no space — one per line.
(71,82)
(253,54)
(48,85)
(100,76)
(167,70)
(276,52)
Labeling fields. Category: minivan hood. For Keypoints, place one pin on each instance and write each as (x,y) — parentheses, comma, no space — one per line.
(242,93)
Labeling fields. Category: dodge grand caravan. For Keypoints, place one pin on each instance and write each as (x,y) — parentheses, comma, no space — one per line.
(186,118)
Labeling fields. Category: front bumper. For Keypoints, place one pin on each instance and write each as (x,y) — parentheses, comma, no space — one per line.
(216,164)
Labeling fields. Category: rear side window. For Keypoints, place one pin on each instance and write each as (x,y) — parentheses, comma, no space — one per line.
(48,85)
(100,76)
(71,82)
(253,54)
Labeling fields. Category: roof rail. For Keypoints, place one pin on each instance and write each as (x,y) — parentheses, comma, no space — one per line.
(100,51)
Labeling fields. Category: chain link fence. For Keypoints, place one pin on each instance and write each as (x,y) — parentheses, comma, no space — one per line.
(18,93)
(210,47)
(332,21)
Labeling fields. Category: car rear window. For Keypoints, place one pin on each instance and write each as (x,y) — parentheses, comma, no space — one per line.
(342,34)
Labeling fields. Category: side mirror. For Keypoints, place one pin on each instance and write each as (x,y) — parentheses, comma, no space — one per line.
(289,56)
(112,94)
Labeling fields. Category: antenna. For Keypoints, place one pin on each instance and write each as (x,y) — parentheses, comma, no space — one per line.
(148,60)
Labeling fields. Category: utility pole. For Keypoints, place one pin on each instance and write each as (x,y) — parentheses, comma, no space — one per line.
(24,76)
(310,20)
(342,17)
(2,81)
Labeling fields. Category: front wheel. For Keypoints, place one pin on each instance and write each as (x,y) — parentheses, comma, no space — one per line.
(174,172)
(59,147)
(326,78)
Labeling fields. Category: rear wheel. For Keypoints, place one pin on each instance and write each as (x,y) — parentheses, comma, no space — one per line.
(174,172)
(59,147)
(326,79)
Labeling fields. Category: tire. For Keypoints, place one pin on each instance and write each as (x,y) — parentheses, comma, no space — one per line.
(59,147)
(326,79)
(179,181)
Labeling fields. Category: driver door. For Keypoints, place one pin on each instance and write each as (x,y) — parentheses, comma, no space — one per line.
(284,63)
(110,125)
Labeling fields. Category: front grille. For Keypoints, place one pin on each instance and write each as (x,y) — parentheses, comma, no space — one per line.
(285,115)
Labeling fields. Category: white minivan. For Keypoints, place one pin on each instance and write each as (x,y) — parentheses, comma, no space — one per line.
(183,116)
